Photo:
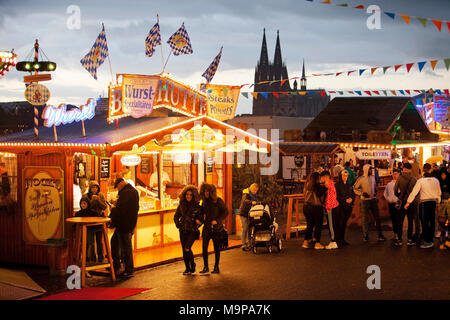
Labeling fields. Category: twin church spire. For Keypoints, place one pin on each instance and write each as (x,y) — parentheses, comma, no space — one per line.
(266,71)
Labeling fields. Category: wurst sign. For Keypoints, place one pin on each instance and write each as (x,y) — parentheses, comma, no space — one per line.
(373,154)
(154,92)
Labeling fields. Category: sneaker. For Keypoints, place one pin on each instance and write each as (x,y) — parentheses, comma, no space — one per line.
(398,243)
(381,238)
(186,272)
(427,245)
(366,239)
(318,246)
(410,243)
(306,244)
(331,245)
(443,247)
(205,271)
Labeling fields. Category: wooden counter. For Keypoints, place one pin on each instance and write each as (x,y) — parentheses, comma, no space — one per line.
(155,228)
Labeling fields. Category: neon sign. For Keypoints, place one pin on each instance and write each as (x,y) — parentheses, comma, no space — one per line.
(57,116)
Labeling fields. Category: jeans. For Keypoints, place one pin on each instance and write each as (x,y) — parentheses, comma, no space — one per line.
(410,214)
(244,234)
(393,212)
(207,236)
(187,240)
(122,249)
(314,221)
(372,206)
(427,217)
(341,215)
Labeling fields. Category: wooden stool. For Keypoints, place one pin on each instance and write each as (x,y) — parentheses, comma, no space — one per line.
(289,228)
(81,225)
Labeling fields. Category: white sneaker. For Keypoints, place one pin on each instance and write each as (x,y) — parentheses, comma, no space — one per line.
(331,245)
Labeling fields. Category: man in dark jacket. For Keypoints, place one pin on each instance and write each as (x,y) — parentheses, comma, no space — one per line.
(402,189)
(346,198)
(124,219)
(247,201)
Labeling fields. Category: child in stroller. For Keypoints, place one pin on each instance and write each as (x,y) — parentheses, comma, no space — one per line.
(262,228)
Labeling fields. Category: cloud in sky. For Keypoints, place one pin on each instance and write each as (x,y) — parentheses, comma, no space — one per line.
(328,37)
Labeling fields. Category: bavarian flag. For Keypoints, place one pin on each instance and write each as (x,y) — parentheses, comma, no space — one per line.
(211,71)
(153,39)
(180,42)
(97,55)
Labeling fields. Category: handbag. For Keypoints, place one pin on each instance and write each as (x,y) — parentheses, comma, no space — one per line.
(221,236)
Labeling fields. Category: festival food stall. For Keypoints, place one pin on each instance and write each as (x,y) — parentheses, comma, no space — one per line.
(157,153)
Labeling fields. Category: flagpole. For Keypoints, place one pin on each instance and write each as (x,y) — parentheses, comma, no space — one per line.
(109,61)
(162,53)
(164,68)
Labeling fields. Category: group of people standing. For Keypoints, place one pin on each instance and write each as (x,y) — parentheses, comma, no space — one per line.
(198,208)
(408,194)
(322,195)
(418,198)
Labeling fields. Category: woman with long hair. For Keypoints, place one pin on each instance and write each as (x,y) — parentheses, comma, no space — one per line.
(214,212)
(187,219)
(313,211)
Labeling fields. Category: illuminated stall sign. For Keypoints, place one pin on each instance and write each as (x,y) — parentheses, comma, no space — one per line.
(441,107)
(60,115)
(169,94)
(222,101)
(43,194)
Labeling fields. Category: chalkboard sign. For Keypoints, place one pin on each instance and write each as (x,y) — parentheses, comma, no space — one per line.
(105,168)
(145,166)
(209,165)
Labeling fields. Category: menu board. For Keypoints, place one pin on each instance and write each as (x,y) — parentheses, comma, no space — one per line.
(105,168)
(209,165)
(145,166)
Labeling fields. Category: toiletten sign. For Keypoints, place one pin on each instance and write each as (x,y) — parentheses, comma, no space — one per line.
(222,101)
(43,203)
(136,93)
(373,154)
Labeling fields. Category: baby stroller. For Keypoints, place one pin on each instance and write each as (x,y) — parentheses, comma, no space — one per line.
(262,229)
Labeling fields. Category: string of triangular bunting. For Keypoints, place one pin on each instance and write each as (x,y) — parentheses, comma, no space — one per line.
(359,72)
(406,18)
(371,93)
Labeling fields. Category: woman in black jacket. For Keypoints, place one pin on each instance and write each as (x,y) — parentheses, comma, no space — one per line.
(214,212)
(346,198)
(313,211)
(187,219)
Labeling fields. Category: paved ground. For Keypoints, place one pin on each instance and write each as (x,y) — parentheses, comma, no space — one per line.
(295,273)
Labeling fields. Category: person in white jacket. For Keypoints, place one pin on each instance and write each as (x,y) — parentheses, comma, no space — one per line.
(389,195)
(430,196)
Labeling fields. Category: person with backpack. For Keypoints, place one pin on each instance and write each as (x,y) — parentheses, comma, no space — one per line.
(313,211)
(430,195)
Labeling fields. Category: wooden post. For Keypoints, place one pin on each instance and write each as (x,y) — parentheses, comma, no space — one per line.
(289,219)
(160,176)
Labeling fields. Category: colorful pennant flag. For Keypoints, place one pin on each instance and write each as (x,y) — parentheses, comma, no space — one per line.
(373,70)
(96,55)
(433,63)
(438,24)
(409,66)
(361,71)
(385,69)
(423,21)
(447,63)
(180,42)
(406,18)
(421,65)
(390,15)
